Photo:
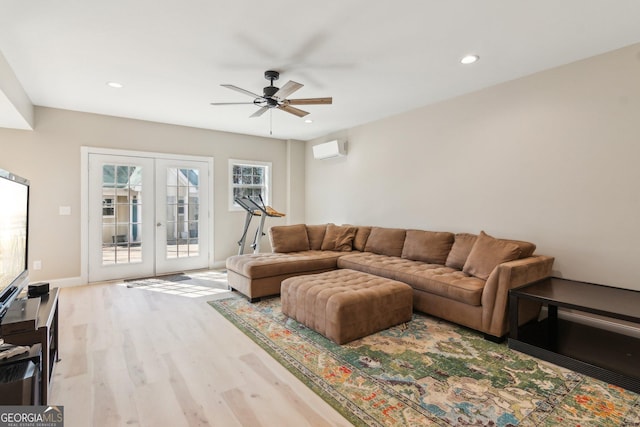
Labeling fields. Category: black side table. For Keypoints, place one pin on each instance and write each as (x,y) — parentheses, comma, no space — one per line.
(584,346)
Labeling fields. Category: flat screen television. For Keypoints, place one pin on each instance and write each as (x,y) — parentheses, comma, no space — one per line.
(14,237)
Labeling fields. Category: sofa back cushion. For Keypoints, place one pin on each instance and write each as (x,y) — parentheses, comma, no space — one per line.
(289,238)
(338,238)
(526,248)
(386,241)
(460,250)
(360,241)
(427,246)
(487,253)
(316,235)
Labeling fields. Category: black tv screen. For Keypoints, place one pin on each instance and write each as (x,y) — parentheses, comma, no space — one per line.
(14,228)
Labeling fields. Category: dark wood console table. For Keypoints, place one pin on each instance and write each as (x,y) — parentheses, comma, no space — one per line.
(45,334)
(600,353)
(15,394)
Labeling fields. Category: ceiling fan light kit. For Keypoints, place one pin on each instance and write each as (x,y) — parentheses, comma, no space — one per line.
(274,97)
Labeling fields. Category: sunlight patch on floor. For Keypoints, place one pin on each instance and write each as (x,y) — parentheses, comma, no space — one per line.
(199,284)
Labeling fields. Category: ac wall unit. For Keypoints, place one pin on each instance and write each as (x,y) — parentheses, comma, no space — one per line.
(330,149)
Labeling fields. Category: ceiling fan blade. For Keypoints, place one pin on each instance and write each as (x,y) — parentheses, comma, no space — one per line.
(309,101)
(239,89)
(293,110)
(232,103)
(287,89)
(260,112)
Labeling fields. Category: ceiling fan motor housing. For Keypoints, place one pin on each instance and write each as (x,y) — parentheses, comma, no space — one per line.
(269,91)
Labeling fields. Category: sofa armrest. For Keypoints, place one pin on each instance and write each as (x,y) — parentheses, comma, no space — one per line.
(506,276)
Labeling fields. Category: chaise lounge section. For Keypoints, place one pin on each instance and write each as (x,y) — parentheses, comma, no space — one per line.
(260,275)
(463,278)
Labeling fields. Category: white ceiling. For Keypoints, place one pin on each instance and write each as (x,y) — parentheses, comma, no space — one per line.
(375,58)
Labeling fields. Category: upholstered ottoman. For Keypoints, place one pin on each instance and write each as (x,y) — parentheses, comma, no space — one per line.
(344,304)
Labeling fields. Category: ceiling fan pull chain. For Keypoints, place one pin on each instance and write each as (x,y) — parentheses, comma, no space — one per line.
(271,122)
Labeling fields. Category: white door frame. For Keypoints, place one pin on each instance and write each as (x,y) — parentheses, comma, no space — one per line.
(85,151)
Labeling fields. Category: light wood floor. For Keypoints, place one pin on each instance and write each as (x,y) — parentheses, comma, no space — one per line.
(135,357)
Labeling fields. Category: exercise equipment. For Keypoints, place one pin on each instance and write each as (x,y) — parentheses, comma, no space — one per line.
(254,207)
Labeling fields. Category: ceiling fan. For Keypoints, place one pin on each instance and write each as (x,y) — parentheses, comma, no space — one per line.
(274,97)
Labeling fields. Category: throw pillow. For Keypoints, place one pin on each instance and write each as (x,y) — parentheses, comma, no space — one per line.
(316,235)
(386,241)
(289,238)
(487,253)
(338,238)
(427,246)
(460,250)
(362,234)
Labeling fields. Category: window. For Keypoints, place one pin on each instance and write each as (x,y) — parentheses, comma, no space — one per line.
(248,178)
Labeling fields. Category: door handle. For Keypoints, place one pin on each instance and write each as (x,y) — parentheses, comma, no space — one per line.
(159,224)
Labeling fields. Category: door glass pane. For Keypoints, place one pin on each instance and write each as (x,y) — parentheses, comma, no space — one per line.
(182,212)
(121,214)
(108,176)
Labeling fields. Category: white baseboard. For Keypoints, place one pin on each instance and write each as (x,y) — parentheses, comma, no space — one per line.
(67,282)
(219,264)
(70,282)
(600,322)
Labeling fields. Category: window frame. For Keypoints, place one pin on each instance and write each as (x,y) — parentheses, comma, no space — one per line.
(266,196)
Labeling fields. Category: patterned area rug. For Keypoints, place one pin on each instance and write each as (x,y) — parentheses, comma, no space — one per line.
(192,285)
(431,373)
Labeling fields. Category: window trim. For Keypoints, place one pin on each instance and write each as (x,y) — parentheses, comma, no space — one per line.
(233,207)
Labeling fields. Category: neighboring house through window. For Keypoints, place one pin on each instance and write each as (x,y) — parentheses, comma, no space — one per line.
(108,207)
(248,178)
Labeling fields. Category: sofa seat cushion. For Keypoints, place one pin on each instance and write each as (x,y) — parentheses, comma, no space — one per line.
(257,266)
(445,282)
(433,278)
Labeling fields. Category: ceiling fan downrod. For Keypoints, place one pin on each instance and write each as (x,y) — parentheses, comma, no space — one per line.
(271,90)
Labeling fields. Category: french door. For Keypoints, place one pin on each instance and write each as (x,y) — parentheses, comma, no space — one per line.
(147,216)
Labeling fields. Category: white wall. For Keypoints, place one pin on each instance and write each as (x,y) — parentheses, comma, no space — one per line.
(295,182)
(551,158)
(49,157)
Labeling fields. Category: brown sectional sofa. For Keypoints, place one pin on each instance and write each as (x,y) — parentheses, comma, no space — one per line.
(463,278)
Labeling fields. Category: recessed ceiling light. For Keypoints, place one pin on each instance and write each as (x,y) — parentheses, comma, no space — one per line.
(115,85)
(469,59)
(308,121)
